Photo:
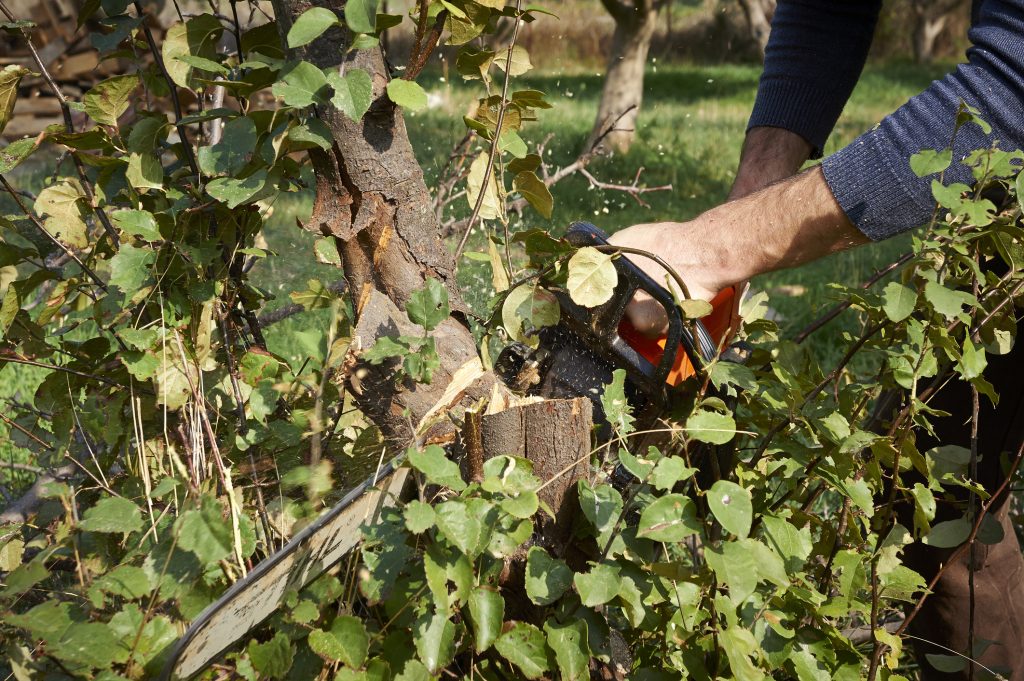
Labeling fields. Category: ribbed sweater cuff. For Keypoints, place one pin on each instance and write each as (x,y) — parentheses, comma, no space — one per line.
(795,105)
(870,191)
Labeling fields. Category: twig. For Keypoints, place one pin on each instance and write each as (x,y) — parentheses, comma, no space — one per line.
(494,143)
(26,432)
(634,189)
(845,305)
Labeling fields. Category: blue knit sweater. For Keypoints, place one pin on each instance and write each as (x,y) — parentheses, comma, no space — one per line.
(814,57)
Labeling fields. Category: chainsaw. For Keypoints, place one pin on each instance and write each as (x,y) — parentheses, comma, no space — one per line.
(575,358)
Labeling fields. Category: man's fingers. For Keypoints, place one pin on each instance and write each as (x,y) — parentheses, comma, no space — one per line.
(647,315)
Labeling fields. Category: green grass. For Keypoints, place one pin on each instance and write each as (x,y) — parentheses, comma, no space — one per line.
(690,131)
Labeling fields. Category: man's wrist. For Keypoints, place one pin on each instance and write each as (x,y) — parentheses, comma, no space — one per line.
(769,155)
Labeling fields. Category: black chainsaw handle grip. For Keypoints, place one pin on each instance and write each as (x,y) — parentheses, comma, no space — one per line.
(632,279)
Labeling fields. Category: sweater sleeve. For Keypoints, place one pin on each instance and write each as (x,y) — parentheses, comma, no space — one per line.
(871,178)
(815,54)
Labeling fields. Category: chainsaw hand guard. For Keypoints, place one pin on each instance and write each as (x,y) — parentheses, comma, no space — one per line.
(577,356)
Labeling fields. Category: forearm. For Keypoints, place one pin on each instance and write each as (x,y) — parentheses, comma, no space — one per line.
(769,155)
(784,225)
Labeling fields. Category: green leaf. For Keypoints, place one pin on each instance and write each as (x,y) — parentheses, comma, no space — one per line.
(535,192)
(592,277)
(361,15)
(114,515)
(669,470)
(273,658)
(617,408)
(523,646)
(526,310)
(302,85)
(108,99)
(91,644)
(601,504)
(972,360)
(197,37)
(598,586)
(234,192)
(900,301)
(948,534)
(435,641)
(353,93)
(131,268)
(570,641)
(14,153)
(460,526)
(711,427)
(437,467)
(419,517)
(947,302)
(145,172)
(929,161)
(731,506)
(234,150)
(346,642)
(205,533)
(310,25)
(312,133)
(547,578)
(138,223)
(127,581)
(407,94)
(670,518)
(428,306)
(486,612)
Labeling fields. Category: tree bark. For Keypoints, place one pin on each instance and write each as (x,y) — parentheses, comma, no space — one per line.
(555,436)
(758,14)
(371,197)
(622,96)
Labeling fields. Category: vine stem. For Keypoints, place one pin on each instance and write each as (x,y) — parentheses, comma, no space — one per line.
(493,152)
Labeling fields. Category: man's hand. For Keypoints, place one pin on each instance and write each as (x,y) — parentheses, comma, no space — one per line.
(784,225)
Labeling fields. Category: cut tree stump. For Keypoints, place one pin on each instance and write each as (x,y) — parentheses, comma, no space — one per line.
(555,436)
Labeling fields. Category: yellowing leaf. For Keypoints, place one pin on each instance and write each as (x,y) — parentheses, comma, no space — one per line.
(592,277)
(61,203)
(491,208)
(10,77)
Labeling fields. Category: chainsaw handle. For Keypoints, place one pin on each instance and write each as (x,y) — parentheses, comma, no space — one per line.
(633,279)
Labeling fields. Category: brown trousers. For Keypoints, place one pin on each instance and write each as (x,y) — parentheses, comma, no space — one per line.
(944,620)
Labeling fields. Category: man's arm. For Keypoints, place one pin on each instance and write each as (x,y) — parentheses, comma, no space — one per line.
(815,55)
(784,225)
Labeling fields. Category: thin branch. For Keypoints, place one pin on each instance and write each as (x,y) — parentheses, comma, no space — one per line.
(173,88)
(484,186)
(634,189)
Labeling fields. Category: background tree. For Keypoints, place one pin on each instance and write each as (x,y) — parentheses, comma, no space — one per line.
(623,92)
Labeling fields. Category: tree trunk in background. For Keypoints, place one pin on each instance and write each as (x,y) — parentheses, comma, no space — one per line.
(930,18)
(371,197)
(758,14)
(624,81)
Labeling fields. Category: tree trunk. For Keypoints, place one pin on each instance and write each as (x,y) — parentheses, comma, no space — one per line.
(930,18)
(371,197)
(615,125)
(758,14)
